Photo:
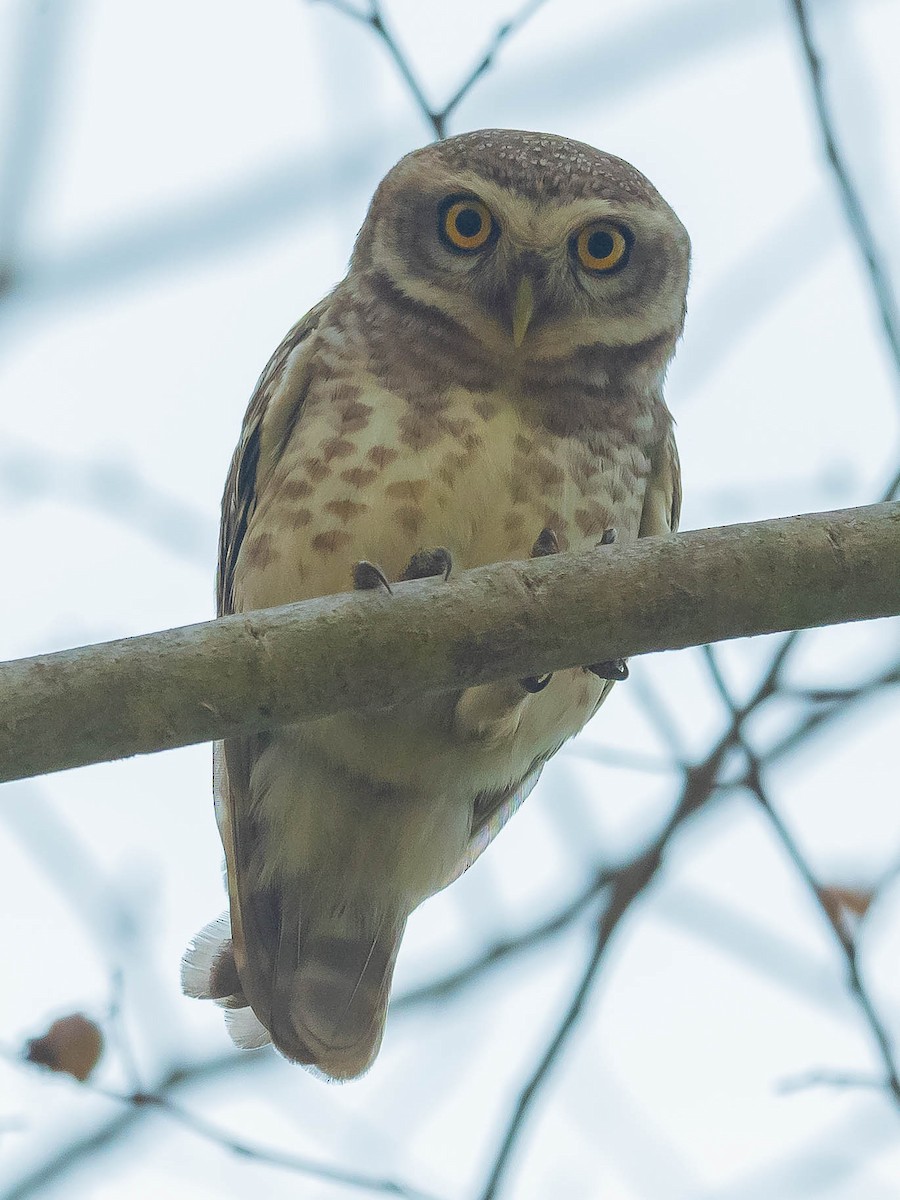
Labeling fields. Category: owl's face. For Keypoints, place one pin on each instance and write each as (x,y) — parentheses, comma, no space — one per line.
(536,244)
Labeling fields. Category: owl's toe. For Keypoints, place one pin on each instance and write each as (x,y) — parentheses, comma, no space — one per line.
(615,669)
(547,543)
(426,563)
(535,683)
(367,577)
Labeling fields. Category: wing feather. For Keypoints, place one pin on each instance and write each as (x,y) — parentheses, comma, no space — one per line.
(662,500)
(271,415)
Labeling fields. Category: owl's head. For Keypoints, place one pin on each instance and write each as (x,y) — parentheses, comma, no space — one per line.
(536,244)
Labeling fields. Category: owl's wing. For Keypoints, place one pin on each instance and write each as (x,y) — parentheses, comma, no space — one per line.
(273,410)
(490,813)
(271,414)
(662,499)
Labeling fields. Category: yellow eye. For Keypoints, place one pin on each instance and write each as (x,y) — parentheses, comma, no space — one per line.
(602,246)
(466,224)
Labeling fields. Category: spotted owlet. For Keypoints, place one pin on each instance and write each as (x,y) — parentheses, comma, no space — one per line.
(484,385)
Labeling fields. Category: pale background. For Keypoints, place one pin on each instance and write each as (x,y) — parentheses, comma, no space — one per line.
(179,181)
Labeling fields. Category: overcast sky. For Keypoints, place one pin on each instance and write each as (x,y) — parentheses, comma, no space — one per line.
(179,181)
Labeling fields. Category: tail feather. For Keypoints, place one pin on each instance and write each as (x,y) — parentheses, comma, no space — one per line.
(339,1000)
(321,997)
(208,970)
(245,1029)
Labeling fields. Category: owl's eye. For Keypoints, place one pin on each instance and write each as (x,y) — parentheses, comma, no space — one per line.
(466,225)
(602,247)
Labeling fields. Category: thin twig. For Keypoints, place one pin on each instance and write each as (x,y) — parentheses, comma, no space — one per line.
(212,1132)
(543,1069)
(833,1079)
(376,20)
(754,783)
(505,31)
(853,206)
(837,925)
(699,786)
(454,981)
(659,715)
(628,760)
(822,715)
(436,117)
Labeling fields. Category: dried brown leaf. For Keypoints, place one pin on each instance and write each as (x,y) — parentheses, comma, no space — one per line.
(72,1045)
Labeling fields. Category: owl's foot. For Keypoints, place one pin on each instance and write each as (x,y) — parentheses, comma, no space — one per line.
(547,543)
(367,577)
(426,563)
(616,669)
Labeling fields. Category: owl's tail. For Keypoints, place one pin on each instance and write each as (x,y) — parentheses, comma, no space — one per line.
(319,994)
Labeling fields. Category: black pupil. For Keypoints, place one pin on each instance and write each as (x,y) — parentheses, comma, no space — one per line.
(600,244)
(468,222)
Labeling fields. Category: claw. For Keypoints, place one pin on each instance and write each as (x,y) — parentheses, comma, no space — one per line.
(367,577)
(547,543)
(615,669)
(535,683)
(425,563)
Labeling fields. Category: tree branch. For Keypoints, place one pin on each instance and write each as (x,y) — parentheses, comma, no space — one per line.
(255,671)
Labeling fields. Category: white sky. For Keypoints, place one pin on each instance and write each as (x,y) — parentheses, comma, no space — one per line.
(202,169)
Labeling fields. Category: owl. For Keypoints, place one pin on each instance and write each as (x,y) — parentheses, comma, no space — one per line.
(484,385)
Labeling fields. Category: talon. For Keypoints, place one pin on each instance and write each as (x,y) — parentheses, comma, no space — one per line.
(547,543)
(616,669)
(535,683)
(426,563)
(367,577)
(608,537)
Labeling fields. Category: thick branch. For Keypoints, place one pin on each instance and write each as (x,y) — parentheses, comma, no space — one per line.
(259,670)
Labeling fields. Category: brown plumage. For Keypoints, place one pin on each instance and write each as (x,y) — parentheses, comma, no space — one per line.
(491,366)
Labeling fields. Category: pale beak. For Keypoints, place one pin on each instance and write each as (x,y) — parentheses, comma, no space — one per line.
(523,310)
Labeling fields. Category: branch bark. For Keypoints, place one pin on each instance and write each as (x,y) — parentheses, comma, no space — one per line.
(259,670)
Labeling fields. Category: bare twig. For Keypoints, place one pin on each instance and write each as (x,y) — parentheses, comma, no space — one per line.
(436,117)
(142,1101)
(838,926)
(753,781)
(536,935)
(628,885)
(504,32)
(138,1104)
(700,784)
(631,880)
(853,206)
(219,1136)
(832,1079)
(627,760)
(43,37)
